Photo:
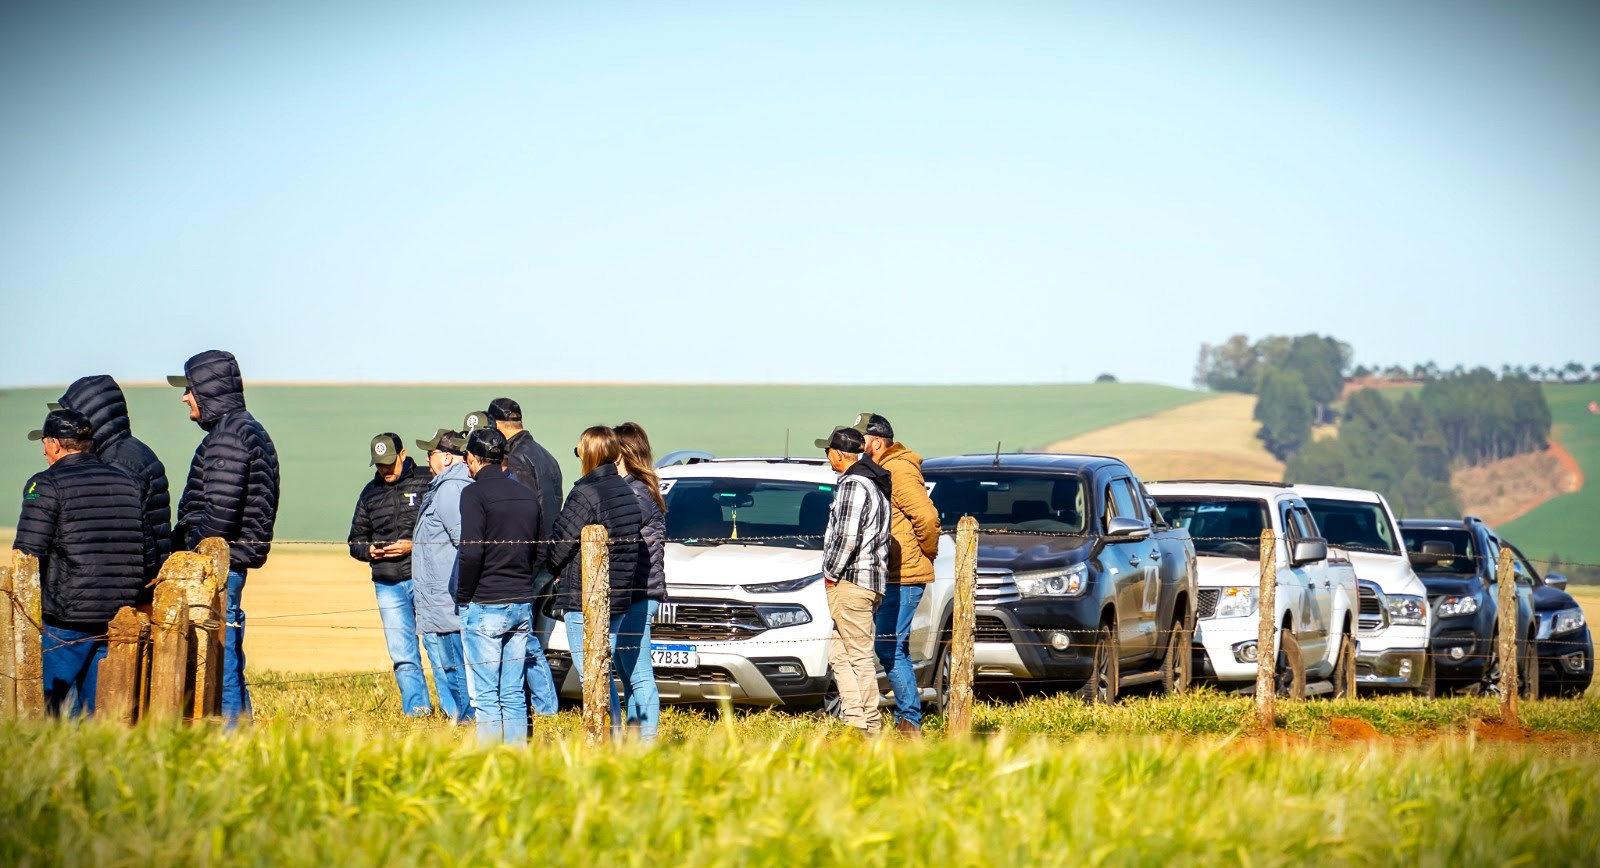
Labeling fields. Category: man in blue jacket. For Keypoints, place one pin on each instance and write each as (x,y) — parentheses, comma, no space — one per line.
(435,562)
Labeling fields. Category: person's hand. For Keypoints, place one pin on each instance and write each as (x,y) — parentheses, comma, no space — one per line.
(375,552)
(398,548)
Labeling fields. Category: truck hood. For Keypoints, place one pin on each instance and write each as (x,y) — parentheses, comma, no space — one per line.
(1391,573)
(725,566)
(1227,572)
(1019,552)
(1548,599)
(1443,586)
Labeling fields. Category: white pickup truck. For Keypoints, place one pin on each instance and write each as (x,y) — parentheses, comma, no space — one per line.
(1394,620)
(1316,595)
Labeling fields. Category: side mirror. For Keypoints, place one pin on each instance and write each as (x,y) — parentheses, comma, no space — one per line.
(1123,529)
(1308,551)
(1556,580)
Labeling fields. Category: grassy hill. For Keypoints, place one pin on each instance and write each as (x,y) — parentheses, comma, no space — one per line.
(322,432)
(1213,438)
(1566,525)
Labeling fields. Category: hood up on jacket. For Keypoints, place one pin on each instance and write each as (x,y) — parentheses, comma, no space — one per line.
(100,398)
(873,473)
(216,383)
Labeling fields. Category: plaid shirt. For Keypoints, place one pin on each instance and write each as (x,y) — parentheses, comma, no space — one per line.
(856,546)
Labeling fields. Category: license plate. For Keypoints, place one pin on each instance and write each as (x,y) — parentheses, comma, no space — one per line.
(673,656)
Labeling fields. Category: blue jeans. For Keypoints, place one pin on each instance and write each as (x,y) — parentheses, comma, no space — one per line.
(893,646)
(71,661)
(235,693)
(630,649)
(494,638)
(449,676)
(399,615)
(541,681)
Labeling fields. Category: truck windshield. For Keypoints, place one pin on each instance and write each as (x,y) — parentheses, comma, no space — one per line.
(1464,563)
(1362,527)
(1008,501)
(1227,527)
(710,511)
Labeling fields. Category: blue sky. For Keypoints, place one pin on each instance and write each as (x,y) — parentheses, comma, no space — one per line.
(819,192)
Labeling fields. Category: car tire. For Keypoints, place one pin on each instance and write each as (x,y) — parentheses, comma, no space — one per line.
(832,705)
(1291,674)
(1344,668)
(1528,670)
(1178,667)
(1101,688)
(941,679)
(1429,689)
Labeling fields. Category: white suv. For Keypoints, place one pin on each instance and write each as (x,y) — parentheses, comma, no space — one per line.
(746,618)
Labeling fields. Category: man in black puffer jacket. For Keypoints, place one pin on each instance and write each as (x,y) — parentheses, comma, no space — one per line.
(101,400)
(380,534)
(85,522)
(232,493)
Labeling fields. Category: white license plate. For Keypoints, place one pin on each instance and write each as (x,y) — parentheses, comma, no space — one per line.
(673,656)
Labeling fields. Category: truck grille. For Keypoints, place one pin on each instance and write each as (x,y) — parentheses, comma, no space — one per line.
(1206,604)
(1370,618)
(987,628)
(996,586)
(707,620)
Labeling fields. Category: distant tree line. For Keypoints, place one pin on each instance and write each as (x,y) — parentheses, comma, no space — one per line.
(1571,372)
(1404,447)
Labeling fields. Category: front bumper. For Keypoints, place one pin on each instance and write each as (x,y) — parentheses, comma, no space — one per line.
(1218,637)
(720,678)
(1474,649)
(1400,668)
(1567,660)
(1014,642)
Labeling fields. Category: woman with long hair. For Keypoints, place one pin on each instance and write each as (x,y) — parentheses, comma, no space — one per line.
(602,497)
(638,466)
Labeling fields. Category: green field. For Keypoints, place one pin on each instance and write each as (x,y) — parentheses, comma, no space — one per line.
(333,775)
(322,432)
(1566,525)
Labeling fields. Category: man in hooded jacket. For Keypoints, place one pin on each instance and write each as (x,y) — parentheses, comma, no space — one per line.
(100,399)
(232,493)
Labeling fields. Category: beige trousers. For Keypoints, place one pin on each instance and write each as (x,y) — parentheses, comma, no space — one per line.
(855,669)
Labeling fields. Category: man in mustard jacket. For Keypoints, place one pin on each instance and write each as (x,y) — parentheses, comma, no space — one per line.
(913,544)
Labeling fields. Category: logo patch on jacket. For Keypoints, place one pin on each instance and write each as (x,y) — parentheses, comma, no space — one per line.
(411,497)
(33,492)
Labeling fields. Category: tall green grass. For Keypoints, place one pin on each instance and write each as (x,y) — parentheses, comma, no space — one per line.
(297,794)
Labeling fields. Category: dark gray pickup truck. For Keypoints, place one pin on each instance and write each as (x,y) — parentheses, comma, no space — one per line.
(1080,581)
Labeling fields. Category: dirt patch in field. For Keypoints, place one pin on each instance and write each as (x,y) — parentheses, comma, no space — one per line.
(1504,490)
(1351,729)
(1210,439)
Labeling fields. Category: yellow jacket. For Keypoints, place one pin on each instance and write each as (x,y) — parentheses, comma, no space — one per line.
(913,521)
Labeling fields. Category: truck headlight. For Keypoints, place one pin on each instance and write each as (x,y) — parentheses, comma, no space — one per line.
(1565,621)
(1450,607)
(1405,609)
(1236,602)
(1068,582)
(783,587)
(783,616)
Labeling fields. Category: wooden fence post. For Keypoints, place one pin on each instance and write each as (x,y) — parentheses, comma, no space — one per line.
(218,551)
(961,627)
(26,649)
(169,667)
(8,648)
(1506,577)
(117,692)
(147,647)
(596,634)
(1266,634)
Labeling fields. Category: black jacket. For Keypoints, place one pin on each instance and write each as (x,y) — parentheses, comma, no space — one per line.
(602,497)
(101,399)
(385,512)
(232,491)
(495,511)
(534,466)
(653,533)
(85,522)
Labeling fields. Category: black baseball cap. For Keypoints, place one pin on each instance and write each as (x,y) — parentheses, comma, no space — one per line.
(64,425)
(873,425)
(475,420)
(505,410)
(845,439)
(487,444)
(445,440)
(386,448)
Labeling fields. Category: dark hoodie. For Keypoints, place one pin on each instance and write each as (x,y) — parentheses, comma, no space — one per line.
(232,490)
(100,398)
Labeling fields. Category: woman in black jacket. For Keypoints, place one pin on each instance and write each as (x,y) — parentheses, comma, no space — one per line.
(633,650)
(601,497)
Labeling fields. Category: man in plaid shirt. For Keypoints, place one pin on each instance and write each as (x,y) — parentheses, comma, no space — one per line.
(855,565)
